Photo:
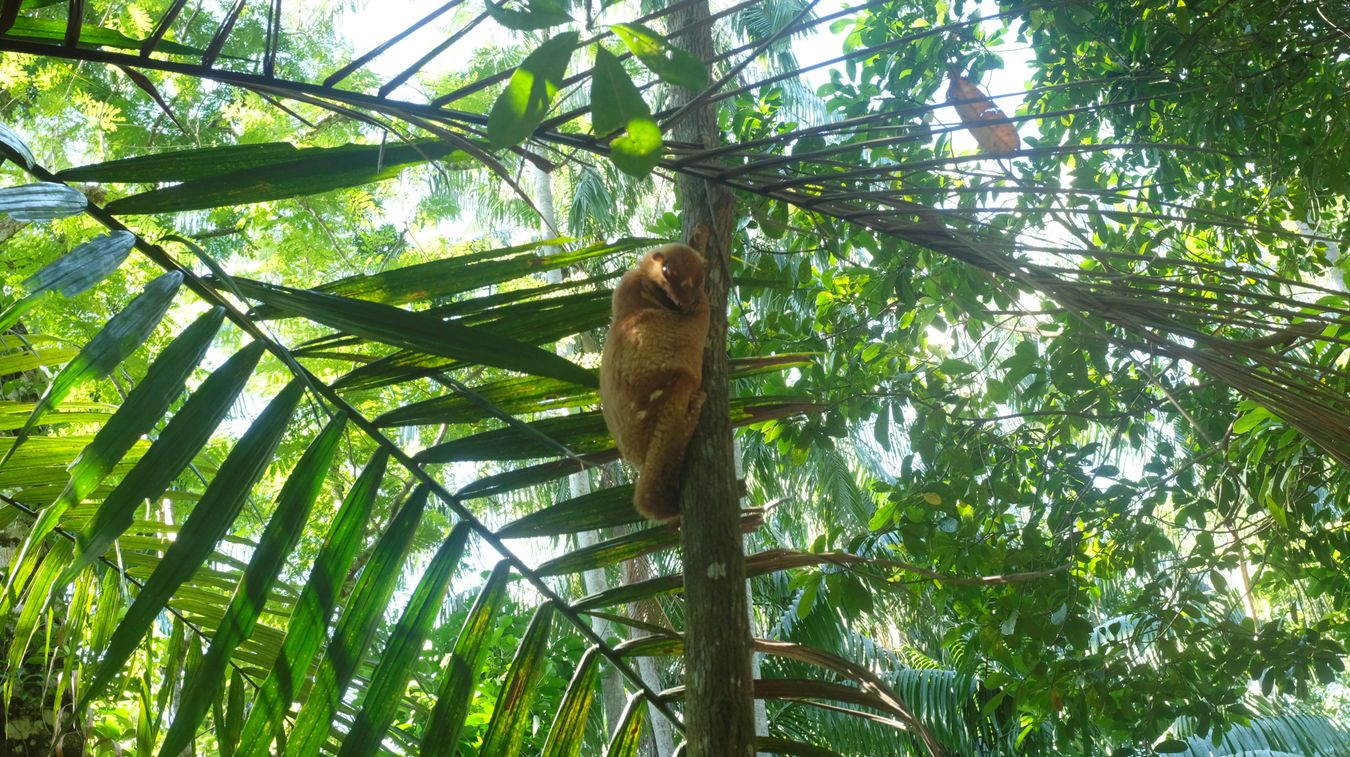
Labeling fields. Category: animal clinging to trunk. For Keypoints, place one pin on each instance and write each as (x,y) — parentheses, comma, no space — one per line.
(652,369)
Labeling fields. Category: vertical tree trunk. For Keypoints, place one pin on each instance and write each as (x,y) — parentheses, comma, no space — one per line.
(719,695)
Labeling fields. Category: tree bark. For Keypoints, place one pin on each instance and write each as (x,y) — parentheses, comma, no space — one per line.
(719,702)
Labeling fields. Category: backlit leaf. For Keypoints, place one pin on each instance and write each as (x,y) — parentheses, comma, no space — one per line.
(279,538)
(309,620)
(178,443)
(205,525)
(670,63)
(109,347)
(384,694)
(511,715)
(529,94)
(463,671)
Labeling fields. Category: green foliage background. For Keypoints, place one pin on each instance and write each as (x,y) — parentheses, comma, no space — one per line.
(1051,445)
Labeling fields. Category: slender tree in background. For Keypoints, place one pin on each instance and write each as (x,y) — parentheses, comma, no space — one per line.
(1040,378)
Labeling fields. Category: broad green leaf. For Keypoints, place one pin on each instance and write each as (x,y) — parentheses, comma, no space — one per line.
(602,508)
(144,406)
(15,146)
(204,526)
(109,347)
(520,478)
(408,366)
(41,201)
(566,734)
(198,163)
(1254,417)
(440,279)
(531,323)
(656,645)
(178,443)
(630,592)
(54,30)
(462,672)
(355,628)
(140,411)
(175,654)
(283,531)
(539,14)
(316,170)
(384,695)
(68,414)
(511,714)
(514,395)
(670,63)
(617,105)
(638,151)
(84,266)
(19,353)
(75,628)
(17,309)
(628,736)
(529,94)
(227,733)
(611,551)
(309,619)
(106,613)
(582,433)
(33,4)
(419,331)
(807,600)
(615,100)
(34,604)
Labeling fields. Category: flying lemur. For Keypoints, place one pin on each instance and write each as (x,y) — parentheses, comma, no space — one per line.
(652,369)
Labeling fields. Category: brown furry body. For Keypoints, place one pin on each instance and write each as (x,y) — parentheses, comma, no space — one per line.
(652,369)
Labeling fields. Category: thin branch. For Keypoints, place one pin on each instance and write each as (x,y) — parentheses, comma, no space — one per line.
(408,72)
(74,20)
(345,71)
(162,28)
(222,34)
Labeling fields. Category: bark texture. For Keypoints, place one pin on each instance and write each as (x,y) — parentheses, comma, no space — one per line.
(719,695)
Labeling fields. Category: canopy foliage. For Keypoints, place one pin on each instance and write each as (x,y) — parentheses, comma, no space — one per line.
(1038,364)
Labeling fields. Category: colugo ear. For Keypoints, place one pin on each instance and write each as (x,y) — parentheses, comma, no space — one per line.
(658,257)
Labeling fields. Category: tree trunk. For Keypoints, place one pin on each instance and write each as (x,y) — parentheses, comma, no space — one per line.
(719,693)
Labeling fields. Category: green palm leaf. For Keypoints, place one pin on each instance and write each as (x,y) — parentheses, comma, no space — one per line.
(178,443)
(278,539)
(628,736)
(569,723)
(511,714)
(417,331)
(354,630)
(203,528)
(385,691)
(118,339)
(461,676)
(309,620)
